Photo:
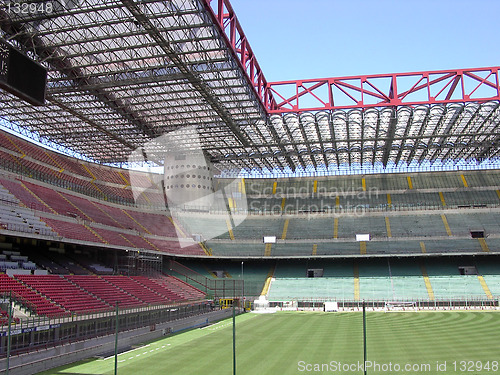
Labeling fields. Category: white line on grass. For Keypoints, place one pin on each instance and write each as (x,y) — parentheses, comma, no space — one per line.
(128,351)
(137,355)
(217,325)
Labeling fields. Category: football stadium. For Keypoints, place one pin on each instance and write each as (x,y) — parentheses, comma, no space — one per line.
(165,209)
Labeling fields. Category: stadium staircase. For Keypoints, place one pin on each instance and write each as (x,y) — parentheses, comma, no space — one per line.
(356,282)
(268,282)
(485,287)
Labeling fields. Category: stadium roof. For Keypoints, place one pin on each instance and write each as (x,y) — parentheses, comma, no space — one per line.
(121,73)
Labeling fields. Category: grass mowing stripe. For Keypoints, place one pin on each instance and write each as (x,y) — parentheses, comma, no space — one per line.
(174,351)
(275,343)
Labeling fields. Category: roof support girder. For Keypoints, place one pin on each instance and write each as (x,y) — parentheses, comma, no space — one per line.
(369,91)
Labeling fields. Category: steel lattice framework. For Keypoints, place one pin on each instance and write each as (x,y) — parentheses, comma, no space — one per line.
(123,72)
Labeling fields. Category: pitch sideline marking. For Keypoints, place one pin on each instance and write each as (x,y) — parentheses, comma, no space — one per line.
(128,351)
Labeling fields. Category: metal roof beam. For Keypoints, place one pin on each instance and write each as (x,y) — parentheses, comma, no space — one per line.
(404,138)
(391,131)
(415,137)
(194,80)
(73,73)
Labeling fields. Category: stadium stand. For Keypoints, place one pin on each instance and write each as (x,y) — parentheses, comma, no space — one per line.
(383,280)
(159,286)
(435,213)
(56,295)
(134,288)
(30,298)
(386,207)
(29,160)
(76,217)
(105,290)
(80,235)
(183,290)
(64,293)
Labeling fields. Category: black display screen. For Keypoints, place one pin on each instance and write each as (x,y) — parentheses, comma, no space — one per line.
(22,76)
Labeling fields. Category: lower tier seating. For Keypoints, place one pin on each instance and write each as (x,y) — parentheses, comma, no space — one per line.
(58,295)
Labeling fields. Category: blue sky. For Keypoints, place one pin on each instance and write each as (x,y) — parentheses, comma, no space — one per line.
(300,39)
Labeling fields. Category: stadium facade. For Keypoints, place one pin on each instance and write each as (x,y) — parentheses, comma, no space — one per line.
(381,188)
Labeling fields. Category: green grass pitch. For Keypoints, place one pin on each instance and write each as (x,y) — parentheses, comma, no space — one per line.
(454,342)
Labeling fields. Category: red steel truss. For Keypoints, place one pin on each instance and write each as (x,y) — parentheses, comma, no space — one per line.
(384,90)
(365,91)
(223,15)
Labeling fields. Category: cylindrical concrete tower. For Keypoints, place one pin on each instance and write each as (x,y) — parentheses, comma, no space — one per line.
(188,180)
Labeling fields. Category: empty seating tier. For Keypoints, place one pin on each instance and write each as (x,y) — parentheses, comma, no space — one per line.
(161,288)
(30,298)
(105,291)
(55,295)
(137,289)
(65,293)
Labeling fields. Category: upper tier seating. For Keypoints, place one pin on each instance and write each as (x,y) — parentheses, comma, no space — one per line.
(348,185)
(106,183)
